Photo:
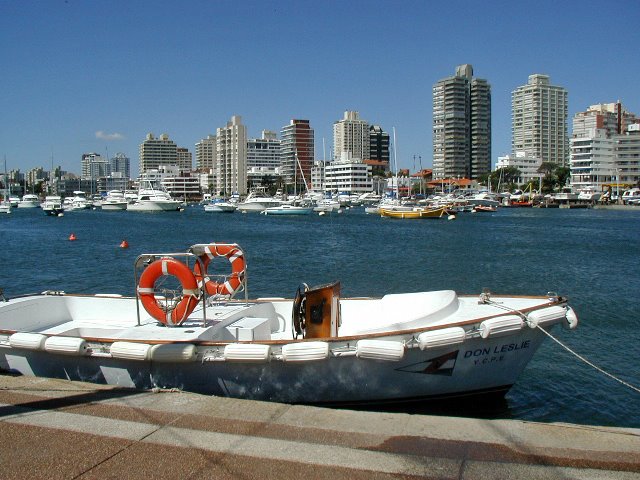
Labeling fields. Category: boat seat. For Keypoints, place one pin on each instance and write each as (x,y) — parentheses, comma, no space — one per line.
(392,312)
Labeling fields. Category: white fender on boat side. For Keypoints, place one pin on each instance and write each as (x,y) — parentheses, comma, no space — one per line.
(305,351)
(66,345)
(571,319)
(501,326)
(546,316)
(380,350)
(130,350)
(246,352)
(28,341)
(441,338)
(173,352)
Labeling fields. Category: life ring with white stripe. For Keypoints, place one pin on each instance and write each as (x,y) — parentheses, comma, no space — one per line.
(190,290)
(232,283)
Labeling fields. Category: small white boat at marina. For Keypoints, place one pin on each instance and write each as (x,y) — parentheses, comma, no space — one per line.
(257,201)
(316,348)
(115,200)
(78,201)
(52,205)
(631,196)
(219,205)
(153,200)
(287,209)
(29,200)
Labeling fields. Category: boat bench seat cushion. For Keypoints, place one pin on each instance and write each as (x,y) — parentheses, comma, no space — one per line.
(403,311)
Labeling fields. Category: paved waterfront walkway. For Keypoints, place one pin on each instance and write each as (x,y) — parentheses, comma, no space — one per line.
(57,429)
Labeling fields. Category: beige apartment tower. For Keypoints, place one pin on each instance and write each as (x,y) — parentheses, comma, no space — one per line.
(231,158)
(539,120)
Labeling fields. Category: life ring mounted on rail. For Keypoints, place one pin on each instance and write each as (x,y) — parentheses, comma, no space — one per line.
(231,283)
(190,292)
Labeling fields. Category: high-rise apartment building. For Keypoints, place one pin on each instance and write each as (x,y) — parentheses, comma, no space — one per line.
(231,158)
(602,147)
(351,134)
(539,113)
(94,166)
(155,152)
(378,144)
(297,150)
(206,153)
(184,159)
(120,166)
(461,125)
(264,152)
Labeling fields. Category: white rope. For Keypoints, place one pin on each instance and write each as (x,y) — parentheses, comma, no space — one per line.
(577,355)
(580,357)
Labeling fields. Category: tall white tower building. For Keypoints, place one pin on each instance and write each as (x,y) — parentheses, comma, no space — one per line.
(539,113)
(351,134)
(231,158)
(155,152)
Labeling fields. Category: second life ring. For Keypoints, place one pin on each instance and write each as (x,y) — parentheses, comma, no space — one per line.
(232,283)
(190,290)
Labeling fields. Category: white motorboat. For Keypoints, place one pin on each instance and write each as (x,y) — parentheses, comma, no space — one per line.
(78,201)
(631,196)
(114,201)
(565,195)
(315,348)
(152,200)
(14,200)
(484,199)
(219,205)
(52,205)
(327,205)
(29,200)
(257,201)
(589,194)
(287,209)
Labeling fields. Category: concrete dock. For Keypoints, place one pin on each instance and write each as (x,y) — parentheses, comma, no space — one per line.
(58,429)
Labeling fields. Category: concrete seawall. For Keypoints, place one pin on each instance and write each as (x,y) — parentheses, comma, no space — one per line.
(60,429)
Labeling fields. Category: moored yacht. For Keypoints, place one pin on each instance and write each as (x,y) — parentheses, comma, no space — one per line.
(115,200)
(152,200)
(29,200)
(257,201)
(52,205)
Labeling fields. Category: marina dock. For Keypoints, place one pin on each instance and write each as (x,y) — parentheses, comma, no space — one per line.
(59,429)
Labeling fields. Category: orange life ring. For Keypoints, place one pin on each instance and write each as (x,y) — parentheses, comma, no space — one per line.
(232,283)
(190,290)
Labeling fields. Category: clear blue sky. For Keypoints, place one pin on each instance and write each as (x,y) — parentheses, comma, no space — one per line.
(82,76)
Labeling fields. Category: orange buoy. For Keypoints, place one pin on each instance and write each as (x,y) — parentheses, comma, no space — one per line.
(72,237)
(124,244)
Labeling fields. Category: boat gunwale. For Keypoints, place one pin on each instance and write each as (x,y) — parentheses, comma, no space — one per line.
(559,301)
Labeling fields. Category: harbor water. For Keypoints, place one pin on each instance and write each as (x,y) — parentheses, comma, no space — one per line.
(590,256)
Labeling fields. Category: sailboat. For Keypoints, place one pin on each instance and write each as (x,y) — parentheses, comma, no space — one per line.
(5,205)
(290,208)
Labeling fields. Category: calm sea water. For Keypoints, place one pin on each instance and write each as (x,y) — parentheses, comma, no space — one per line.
(590,256)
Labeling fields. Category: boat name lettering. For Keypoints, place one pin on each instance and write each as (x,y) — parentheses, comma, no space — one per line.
(485,352)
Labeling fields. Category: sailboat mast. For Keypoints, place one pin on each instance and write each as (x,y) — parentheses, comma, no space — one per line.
(395,161)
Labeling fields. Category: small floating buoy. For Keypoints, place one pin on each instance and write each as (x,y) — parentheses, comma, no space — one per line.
(61,214)
(451,217)
(124,244)
(321,214)
(72,237)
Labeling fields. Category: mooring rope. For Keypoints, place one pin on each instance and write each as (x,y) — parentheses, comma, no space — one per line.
(487,300)
(591,364)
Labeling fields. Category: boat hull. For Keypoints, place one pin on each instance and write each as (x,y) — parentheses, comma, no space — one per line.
(475,367)
(414,214)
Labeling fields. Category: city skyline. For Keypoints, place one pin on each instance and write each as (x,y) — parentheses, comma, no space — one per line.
(98,78)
